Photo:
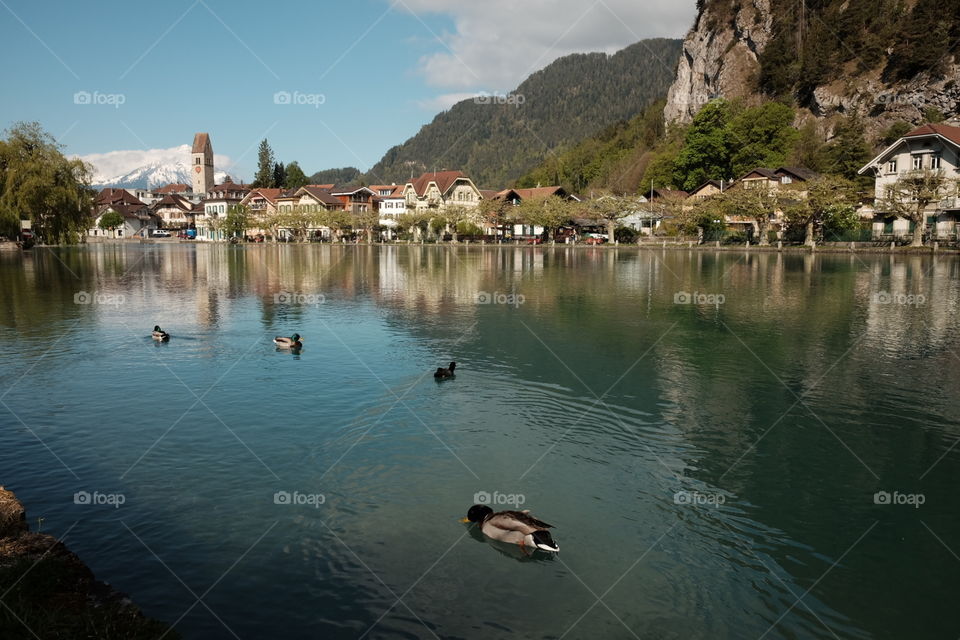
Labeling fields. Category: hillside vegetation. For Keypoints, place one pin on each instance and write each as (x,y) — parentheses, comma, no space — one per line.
(496,139)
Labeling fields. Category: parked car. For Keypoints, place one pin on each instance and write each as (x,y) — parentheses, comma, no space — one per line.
(160,233)
(595,238)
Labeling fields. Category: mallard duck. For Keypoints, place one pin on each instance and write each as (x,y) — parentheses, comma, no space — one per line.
(446,373)
(512,527)
(293,342)
(160,334)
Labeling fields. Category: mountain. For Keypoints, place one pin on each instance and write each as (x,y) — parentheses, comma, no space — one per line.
(154,175)
(497,138)
(885,61)
(343,175)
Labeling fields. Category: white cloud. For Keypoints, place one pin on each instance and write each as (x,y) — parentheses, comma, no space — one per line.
(497,43)
(114,163)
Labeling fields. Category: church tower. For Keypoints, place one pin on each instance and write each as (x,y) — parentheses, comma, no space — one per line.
(201,167)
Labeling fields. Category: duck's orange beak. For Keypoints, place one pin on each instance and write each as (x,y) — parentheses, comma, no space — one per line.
(464,520)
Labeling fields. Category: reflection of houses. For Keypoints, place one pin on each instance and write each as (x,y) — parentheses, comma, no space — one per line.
(930,148)
(440,189)
(137,219)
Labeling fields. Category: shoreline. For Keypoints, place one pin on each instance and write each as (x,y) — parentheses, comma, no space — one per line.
(49,592)
(831,247)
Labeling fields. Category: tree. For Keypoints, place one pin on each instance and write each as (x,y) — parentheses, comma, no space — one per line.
(496,212)
(334,219)
(294,178)
(705,154)
(612,209)
(264,177)
(110,220)
(848,151)
(279,175)
(416,220)
(759,203)
(455,214)
(38,183)
(551,213)
(237,221)
(829,201)
(760,136)
(910,196)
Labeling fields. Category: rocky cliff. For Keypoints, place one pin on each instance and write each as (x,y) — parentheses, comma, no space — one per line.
(48,592)
(840,58)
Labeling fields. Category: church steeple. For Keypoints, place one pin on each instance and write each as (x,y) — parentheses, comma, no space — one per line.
(201,166)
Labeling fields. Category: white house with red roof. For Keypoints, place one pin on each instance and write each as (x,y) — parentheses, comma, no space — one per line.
(931,147)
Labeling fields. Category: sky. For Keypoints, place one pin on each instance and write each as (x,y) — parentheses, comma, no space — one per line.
(329,84)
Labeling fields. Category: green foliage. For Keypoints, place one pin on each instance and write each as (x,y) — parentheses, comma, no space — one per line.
(294,178)
(237,221)
(495,141)
(762,136)
(110,220)
(894,132)
(626,235)
(848,152)
(38,183)
(279,175)
(344,175)
(706,148)
(264,175)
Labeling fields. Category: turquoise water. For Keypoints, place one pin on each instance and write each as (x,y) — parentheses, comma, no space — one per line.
(711,468)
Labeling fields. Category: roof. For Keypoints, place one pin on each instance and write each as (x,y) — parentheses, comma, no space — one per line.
(802,173)
(541,192)
(270,195)
(488,194)
(949,133)
(344,191)
(320,195)
(230,186)
(126,210)
(173,200)
(201,143)
(117,196)
(443,179)
(762,172)
(710,183)
(176,187)
(396,190)
(328,187)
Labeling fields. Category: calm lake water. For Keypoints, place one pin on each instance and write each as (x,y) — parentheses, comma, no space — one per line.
(712,468)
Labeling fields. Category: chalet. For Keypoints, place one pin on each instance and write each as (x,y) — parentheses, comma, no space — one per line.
(390,204)
(440,189)
(516,196)
(355,199)
(262,202)
(174,211)
(932,147)
(137,219)
(708,189)
(220,199)
(313,198)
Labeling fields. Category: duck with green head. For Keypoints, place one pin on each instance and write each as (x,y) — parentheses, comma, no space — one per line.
(293,342)
(513,527)
(160,334)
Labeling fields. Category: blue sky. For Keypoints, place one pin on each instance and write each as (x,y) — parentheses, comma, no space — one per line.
(360,76)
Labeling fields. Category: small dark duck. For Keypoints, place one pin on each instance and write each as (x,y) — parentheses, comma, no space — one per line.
(160,334)
(293,342)
(513,527)
(442,373)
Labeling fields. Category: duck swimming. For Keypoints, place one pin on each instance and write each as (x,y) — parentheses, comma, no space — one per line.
(446,373)
(513,527)
(293,342)
(160,334)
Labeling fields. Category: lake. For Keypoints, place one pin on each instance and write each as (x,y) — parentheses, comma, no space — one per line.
(729,444)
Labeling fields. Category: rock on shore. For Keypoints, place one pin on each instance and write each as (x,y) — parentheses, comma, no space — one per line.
(51,593)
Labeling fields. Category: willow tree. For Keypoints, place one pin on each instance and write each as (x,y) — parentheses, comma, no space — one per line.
(910,196)
(38,183)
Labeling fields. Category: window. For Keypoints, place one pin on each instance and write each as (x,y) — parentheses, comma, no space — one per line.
(935,161)
(917,162)
(786,179)
(892,166)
